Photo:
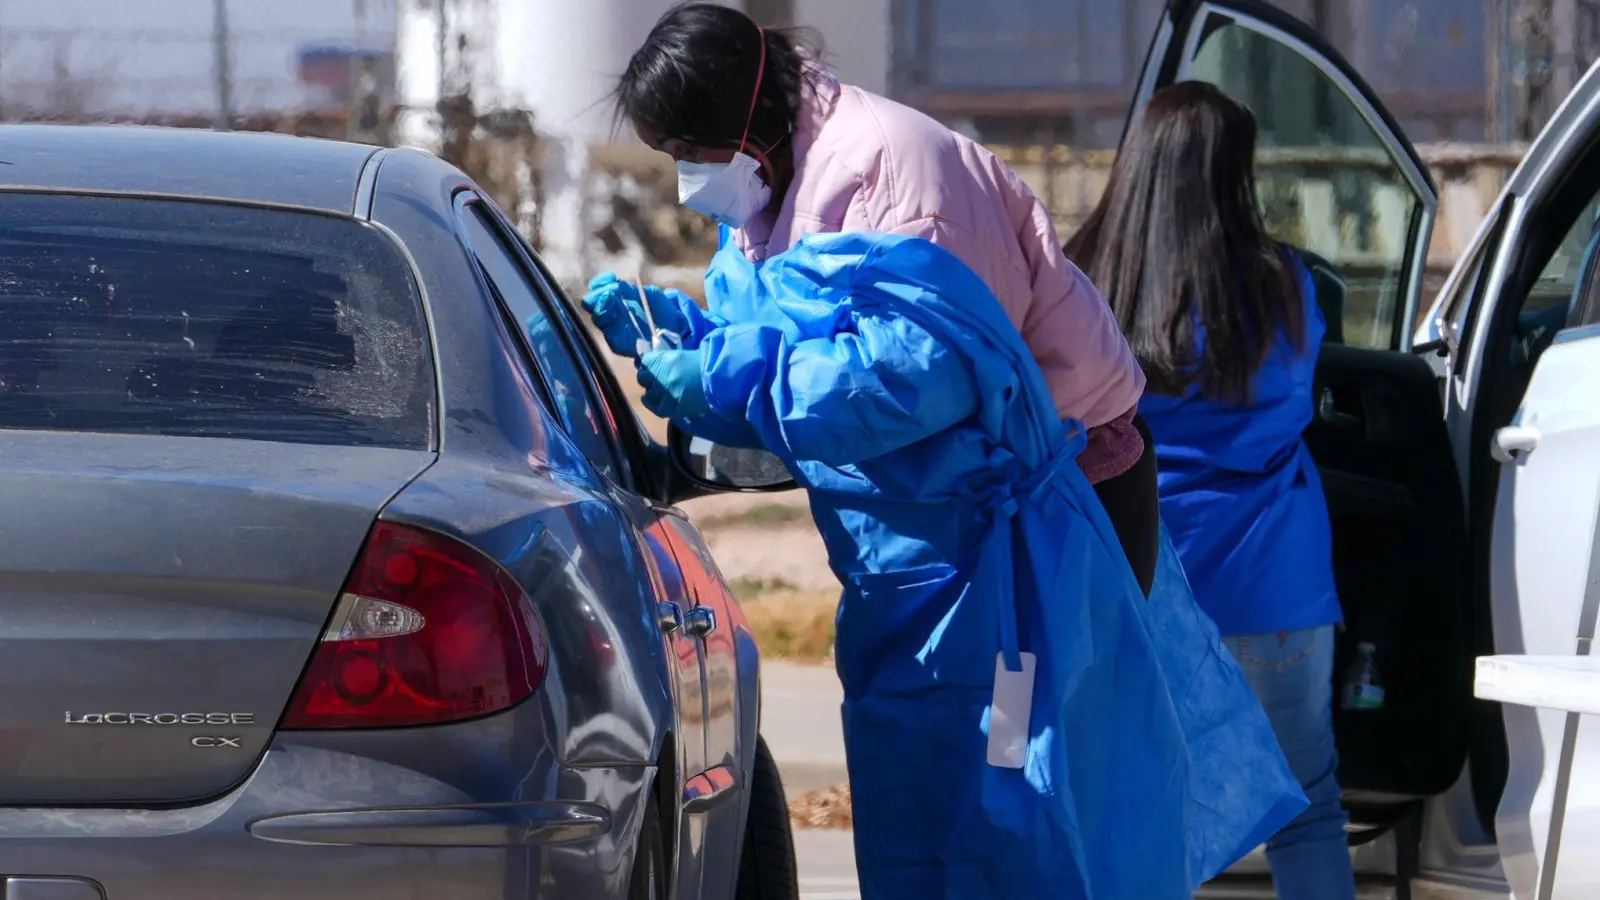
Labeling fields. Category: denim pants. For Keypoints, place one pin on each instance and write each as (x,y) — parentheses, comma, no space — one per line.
(1292,673)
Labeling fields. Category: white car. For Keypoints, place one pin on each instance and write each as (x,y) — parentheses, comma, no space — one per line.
(1461,463)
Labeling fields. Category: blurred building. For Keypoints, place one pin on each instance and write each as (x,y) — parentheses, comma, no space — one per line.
(159,59)
(1016,71)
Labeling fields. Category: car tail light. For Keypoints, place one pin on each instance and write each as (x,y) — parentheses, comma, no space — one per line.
(427,630)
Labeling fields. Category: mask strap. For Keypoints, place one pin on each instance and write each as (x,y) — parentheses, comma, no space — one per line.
(755,95)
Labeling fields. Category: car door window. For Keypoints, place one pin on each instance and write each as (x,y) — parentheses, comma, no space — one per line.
(1588,313)
(1565,289)
(1556,298)
(1456,300)
(1331,180)
(542,337)
(1557,285)
(620,419)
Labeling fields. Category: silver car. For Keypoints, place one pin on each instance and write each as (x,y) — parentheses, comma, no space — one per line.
(333,563)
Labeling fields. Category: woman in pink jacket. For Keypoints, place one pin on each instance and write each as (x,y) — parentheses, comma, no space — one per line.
(769,143)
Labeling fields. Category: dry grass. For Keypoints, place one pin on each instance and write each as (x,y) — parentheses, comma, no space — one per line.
(765,515)
(790,624)
(827,808)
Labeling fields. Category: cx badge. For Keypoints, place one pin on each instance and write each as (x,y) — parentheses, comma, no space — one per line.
(215,743)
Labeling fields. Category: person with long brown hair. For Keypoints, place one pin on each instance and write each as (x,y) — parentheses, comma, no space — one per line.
(1224,323)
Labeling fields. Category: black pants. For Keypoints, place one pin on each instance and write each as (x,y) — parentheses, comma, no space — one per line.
(1131,501)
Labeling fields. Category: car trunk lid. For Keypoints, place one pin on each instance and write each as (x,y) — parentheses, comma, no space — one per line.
(159,598)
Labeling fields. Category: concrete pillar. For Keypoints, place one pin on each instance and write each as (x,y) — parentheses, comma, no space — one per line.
(856,36)
(1357,39)
(1564,38)
(1391,219)
(1462,206)
(1319,215)
(1302,9)
(416,76)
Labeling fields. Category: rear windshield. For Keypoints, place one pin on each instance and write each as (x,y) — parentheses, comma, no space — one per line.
(161,317)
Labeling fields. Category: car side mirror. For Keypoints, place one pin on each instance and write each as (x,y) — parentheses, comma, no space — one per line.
(716,468)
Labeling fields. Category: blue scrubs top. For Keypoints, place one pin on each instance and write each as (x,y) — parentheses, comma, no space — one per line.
(1241,495)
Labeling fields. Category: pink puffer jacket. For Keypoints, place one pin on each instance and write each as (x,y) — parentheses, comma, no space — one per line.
(865,163)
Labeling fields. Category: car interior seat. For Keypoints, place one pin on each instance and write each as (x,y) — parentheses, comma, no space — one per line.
(296,326)
(1536,330)
(1585,302)
(1332,293)
(271,348)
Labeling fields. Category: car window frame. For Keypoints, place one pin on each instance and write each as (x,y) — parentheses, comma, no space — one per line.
(627,431)
(621,461)
(1462,292)
(1523,248)
(1270,25)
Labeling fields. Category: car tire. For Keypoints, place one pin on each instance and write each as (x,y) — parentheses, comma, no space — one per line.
(766,865)
(649,878)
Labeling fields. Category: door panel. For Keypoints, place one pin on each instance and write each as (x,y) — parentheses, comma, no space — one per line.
(708,621)
(722,671)
(688,690)
(1340,182)
(1394,501)
(1546,596)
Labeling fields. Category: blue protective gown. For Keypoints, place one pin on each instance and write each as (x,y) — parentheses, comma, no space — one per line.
(889,379)
(1241,493)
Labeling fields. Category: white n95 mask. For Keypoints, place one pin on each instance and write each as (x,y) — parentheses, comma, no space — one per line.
(730,192)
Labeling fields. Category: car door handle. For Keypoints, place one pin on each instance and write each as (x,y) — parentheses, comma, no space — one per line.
(1512,440)
(1331,414)
(700,621)
(669,617)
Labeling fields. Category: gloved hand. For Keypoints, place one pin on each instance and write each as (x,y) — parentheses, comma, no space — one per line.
(614,307)
(672,384)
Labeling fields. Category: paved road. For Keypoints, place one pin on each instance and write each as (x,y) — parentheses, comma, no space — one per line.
(800,721)
(828,872)
(827,865)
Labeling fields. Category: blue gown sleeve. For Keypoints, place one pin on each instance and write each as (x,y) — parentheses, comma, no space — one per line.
(840,400)
(699,322)
(722,430)
(729,432)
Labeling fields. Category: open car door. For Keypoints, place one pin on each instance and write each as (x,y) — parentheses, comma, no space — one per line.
(1339,180)
(1546,583)
(1529,370)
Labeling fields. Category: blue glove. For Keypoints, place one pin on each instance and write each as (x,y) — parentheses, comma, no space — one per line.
(613,306)
(672,384)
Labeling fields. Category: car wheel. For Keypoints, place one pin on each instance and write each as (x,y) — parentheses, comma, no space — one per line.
(766,865)
(649,878)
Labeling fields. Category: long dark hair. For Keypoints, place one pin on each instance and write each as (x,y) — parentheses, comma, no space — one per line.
(1177,242)
(694,75)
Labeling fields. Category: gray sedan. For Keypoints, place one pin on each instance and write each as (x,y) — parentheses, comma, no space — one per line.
(333,563)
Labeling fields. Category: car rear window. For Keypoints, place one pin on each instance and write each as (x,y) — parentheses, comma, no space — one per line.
(169,317)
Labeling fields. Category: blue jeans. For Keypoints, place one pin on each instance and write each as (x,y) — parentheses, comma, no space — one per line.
(1292,674)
